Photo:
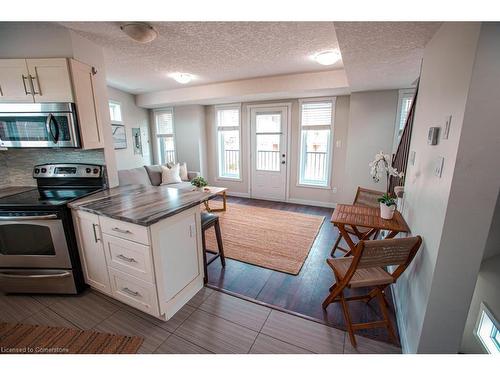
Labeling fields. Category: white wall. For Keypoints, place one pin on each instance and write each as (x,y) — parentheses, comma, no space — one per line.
(132,117)
(452,213)
(362,129)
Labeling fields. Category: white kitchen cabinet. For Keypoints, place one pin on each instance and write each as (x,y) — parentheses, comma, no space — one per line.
(90,246)
(50,80)
(83,78)
(15,85)
(35,80)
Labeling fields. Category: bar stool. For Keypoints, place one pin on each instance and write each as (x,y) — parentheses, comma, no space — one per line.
(209,220)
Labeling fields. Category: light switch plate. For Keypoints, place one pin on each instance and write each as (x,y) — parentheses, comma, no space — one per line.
(438,167)
(413,155)
(447,125)
(338,144)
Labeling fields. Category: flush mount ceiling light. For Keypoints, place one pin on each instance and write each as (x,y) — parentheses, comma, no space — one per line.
(140,31)
(182,77)
(329,57)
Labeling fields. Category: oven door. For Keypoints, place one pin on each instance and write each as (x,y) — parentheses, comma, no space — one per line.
(41,129)
(33,240)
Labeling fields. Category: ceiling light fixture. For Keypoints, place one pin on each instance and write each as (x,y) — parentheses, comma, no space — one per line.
(182,77)
(140,31)
(329,57)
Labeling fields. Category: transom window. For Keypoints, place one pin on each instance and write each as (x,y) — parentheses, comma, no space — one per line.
(115,112)
(165,136)
(228,141)
(316,125)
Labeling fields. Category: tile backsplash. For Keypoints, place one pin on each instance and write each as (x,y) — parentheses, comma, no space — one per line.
(17,164)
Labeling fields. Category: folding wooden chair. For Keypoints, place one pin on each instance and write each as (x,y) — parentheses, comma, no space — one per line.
(367,269)
(364,197)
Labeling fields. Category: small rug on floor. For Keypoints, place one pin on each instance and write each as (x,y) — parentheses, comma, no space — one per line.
(275,239)
(17,338)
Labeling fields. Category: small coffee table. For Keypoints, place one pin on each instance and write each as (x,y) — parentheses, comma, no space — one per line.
(219,191)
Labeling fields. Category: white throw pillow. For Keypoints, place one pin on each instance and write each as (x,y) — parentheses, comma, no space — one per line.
(183,172)
(170,175)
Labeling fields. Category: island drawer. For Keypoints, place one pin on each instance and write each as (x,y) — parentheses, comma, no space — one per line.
(134,292)
(130,257)
(125,230)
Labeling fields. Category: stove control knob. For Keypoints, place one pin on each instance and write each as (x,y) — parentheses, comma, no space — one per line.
(96,170)
(87,170)
(37,170)
(44,170)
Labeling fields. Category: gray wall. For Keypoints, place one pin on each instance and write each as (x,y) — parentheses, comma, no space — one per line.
(132,117)
(453,213)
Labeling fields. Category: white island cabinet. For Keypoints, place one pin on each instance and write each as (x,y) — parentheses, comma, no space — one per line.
(155,268)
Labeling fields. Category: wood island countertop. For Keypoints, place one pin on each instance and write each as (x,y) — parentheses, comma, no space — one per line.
(141,204)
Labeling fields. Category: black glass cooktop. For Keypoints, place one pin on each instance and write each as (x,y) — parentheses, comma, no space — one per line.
(45,197)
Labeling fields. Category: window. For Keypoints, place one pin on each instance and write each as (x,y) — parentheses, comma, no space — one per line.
(115,112)
(315,142)
(165,137)
(227,120)
(404,104)
(487,330)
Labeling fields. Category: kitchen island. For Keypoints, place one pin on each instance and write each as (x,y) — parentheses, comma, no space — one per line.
(142,245)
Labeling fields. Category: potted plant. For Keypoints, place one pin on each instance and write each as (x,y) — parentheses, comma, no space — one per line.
(387,206)
(199,182)
(381,166)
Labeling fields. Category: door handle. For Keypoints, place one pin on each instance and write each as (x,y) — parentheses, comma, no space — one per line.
(95,232)
(283,162)
(39,92)
(48,124)
(24,84)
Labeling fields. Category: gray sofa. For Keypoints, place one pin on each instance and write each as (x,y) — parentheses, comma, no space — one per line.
(150,175)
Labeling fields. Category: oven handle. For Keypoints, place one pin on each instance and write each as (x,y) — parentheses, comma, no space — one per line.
(21,218)
(35,276)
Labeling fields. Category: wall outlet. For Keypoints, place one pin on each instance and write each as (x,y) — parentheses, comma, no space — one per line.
(447,125)
(334,189)
(438,167)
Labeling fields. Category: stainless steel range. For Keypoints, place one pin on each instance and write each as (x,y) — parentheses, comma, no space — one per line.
(38,251)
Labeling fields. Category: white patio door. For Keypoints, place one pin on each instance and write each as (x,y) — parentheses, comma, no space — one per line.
(268,126)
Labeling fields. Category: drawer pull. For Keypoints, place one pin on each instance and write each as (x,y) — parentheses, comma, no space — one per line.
(125,231)
(126,259)
(131,292)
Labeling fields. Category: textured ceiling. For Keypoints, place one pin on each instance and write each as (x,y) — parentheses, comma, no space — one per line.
(383,55)
(213,51)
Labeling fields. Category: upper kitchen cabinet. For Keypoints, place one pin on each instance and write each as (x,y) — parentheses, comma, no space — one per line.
(84,88)
(50,80)
(35,80)
(14,81)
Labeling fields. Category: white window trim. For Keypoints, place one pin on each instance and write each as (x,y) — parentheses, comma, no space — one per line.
(401,94)
(328,185)
(157,136)
(484,308)
(116,102)
(218,177)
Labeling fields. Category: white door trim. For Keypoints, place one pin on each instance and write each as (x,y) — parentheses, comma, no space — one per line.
(249,108)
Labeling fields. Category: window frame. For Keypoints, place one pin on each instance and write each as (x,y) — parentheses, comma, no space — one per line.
(158,136)
(301,151)
(119,104)
(218,161)
(483,309)
(402,94)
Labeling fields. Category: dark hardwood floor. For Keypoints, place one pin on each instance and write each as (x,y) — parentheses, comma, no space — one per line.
(303,293)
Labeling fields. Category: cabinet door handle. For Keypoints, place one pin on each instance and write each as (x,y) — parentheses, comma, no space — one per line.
(39,92)
(131,292)
(24,84)
(125,231)
(95,232)
(126,259)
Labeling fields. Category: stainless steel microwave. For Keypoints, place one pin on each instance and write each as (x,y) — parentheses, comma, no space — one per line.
(37,125)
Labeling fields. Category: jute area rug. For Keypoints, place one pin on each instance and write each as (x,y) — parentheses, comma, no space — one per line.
(17,338)
(275,239)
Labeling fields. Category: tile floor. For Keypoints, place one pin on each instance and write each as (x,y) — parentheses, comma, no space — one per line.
(212,322)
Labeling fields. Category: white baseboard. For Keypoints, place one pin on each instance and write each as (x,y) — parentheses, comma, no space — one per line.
(237,194)
(312,203)
(400,321)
